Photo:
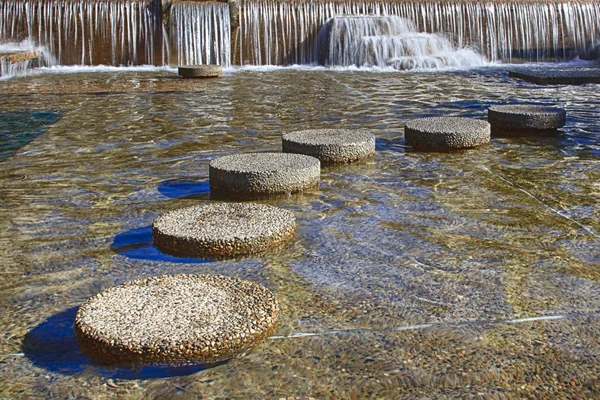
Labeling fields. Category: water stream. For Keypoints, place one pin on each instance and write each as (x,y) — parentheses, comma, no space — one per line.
(413,274)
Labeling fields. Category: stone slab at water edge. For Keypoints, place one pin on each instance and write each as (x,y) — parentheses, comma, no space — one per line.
(221,230)
(175,319)
(526,118)
(446,133)
(251,175)
(563,76)
(200,71)
(330,145)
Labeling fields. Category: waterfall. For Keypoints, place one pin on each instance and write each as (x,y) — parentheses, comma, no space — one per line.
(87,32)
(389,42)
(201,33)
(286,32)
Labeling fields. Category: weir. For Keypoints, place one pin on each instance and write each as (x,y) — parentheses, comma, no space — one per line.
(155,32)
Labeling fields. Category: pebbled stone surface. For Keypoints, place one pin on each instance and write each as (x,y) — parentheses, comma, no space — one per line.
(446,133)
(200,71)
(330,145)
(251,175)
(526,117)
(221,230)
(175,319)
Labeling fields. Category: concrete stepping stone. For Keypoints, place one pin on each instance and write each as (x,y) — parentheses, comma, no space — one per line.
(446,133)
(175,319)
(252,175)
(200,71)
(566,76)
(330,145)
(523,117)
(222,230)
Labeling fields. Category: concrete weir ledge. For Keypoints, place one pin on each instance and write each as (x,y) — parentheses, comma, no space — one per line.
(252,175)
(446,133)
(330,145)
(175,319)
(221,230)
(525,117)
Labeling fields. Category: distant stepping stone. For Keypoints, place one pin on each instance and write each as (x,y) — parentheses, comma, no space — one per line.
(446,133)
(330,145)
(252,175)
(175,319)
(523,118)
(200,71)
(222,230)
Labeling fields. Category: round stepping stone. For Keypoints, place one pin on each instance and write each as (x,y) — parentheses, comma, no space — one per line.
(330,145)
(175,319)
(446,133)
(511,118)
(200,71)
(221,230)
(263,174)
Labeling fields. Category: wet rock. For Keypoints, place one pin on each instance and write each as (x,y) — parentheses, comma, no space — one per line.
(515,117)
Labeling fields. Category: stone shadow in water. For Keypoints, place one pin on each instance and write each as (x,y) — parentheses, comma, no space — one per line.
(179,189)
(137,244)
(52,346)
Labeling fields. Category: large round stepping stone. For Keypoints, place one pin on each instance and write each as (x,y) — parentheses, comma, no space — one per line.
(174,319)
(263,174)
(221,230)
(522,118)
(446,133)
(200,71)
(330,145)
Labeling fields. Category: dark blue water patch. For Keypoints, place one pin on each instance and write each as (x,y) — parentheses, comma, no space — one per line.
(137,244)
(17,128)
(182,189)
(52,345)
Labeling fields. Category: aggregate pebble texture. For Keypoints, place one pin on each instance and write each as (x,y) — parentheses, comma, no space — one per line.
(174,319)
(515,118)
(200,71)
(446,133)
(330,145)
(220,230)
(263,174)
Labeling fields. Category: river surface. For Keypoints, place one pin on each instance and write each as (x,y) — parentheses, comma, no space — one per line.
(473,273)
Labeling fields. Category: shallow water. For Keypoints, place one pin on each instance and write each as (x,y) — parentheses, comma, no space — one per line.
(411,274)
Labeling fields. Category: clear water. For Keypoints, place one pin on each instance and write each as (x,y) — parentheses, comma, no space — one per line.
(410,275)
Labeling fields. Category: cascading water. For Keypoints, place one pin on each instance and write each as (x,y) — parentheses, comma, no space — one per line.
(88,32)
(201,33)
(367,41)
(283,33)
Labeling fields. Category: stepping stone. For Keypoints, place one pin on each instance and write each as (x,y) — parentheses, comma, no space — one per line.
(523,118)
(175,319)
(330,145)
(221,230)
(200,71)
(566,76)
(253,175)
(446,133)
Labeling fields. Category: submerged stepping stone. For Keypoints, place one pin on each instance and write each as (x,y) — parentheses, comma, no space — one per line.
(446,133)
(330,145)
(200,71)
(175,319)
(253,175)
(525,117)
(221,230)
